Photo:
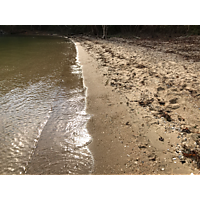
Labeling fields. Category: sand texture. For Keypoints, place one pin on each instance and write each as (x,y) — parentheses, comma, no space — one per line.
(144,97)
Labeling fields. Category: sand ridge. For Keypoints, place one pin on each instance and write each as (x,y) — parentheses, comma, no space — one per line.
(145,105)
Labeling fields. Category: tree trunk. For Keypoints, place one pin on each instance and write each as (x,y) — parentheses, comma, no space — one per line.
(105,31)
(94,30)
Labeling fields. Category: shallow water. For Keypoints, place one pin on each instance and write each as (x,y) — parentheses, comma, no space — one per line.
(42,108)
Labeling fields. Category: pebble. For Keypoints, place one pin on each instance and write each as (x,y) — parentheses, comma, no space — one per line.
(180,156)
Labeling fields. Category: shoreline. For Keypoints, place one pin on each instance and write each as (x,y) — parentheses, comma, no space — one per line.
(101,163)
(86,92)
(124,141)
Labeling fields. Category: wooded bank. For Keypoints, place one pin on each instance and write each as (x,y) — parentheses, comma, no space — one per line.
(151,31)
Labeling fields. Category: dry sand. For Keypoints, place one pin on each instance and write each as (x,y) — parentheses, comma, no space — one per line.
(144,98)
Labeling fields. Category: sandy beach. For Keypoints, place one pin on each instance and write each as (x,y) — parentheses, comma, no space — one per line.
(144,99)
(143,96)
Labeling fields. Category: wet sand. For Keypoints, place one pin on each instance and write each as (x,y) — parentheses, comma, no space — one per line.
(145,106)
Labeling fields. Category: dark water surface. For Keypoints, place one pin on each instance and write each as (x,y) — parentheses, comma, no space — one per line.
(42,108)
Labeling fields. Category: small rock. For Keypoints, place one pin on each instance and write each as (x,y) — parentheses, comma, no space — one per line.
(161,139)
(142,146)
(186,130)
(173,101)
(140,66)
(183,161)
(160,88)
(112,83)
(152,157)
(162,103)
(173,106)
(180,156)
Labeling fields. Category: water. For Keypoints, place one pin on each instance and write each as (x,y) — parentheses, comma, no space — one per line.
(42,108)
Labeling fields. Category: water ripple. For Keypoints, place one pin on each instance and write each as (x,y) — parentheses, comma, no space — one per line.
(42,108)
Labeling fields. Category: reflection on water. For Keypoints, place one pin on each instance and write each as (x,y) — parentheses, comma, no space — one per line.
(42,108)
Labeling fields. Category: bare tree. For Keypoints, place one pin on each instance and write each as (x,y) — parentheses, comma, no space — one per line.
(105,31)
(95,30)
(188,28)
